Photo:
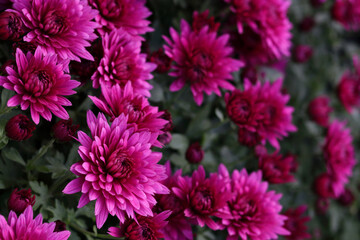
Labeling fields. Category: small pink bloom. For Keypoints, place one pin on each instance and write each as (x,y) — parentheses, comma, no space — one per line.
(295,223)
(307,24)
(302,53)
(319,110)
(339,155)
(117,169)
(346,198)
(115,101)
(122,62)
(201,59)
(62,27)
(64,131)
(255,212)
(26,227)
(40,83)
(203,197)
(127,14)
(162,61)
(323,185)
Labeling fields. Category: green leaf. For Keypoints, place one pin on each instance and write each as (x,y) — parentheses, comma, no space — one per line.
(13,155)
(179,142)
(58,212)
(42,194)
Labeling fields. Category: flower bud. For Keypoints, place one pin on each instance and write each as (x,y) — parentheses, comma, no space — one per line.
(319,110)
(322,186)
(165,138)
(19,128)
(20,200)
(322,205)
(194,153)
(168,126)
(248,138)
(64,130)
(307,24)
(317,3)
(60,226)
(346,198)
(11,26)
(302,53)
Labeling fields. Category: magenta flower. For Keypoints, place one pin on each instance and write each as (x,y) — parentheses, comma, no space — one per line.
(263,30)
(319,110)
(118,169)
(277,168)
(64,130)
(20,200)
(61,27)
(295,223)
(178,226)
(116,101)
(40,83)
(347,13)
(339,155)
(145,228)
(302,53)
(201,20)
(203,197)
(194,154)
(255,212)
(19,127)
(129,15)
(122,63)
(323,185)
(261,109)
(26,227)
(202,59)
(11,26)
(348,90)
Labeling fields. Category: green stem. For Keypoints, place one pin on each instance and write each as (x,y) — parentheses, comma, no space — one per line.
(42,151)
(92,234)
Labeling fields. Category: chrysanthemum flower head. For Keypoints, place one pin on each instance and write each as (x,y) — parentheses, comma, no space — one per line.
(255,212)
(263,29)
(295,223)
(319,110)
(339,155)
(347,13)
(116,101)
(202,60)
(145,228)
(117,169)
(127,14)
(40,83)
(122,62)
(348,90)
(262,109)
(63,27)
(25,227)
(203,197)
(178,226)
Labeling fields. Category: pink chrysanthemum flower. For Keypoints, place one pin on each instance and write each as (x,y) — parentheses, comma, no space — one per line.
(319,110)
(347,13)
(277,168)
(202,59)
(25,227)
(122,63)
(118,169)
(203,197)
(339,155)
(145,228)
(40,83)
(127,14)
(263,29)
(262,109)
(116,101)
(295,223)
(348,90)
(61,27)
(255,212)
(178,226)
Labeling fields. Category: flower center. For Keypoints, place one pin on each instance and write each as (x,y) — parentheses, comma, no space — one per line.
(55,24)
(198,66)
(110,9)
(202,200)
(245,209)
(239,110)
(39,83)
(123,71)
(120,167)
